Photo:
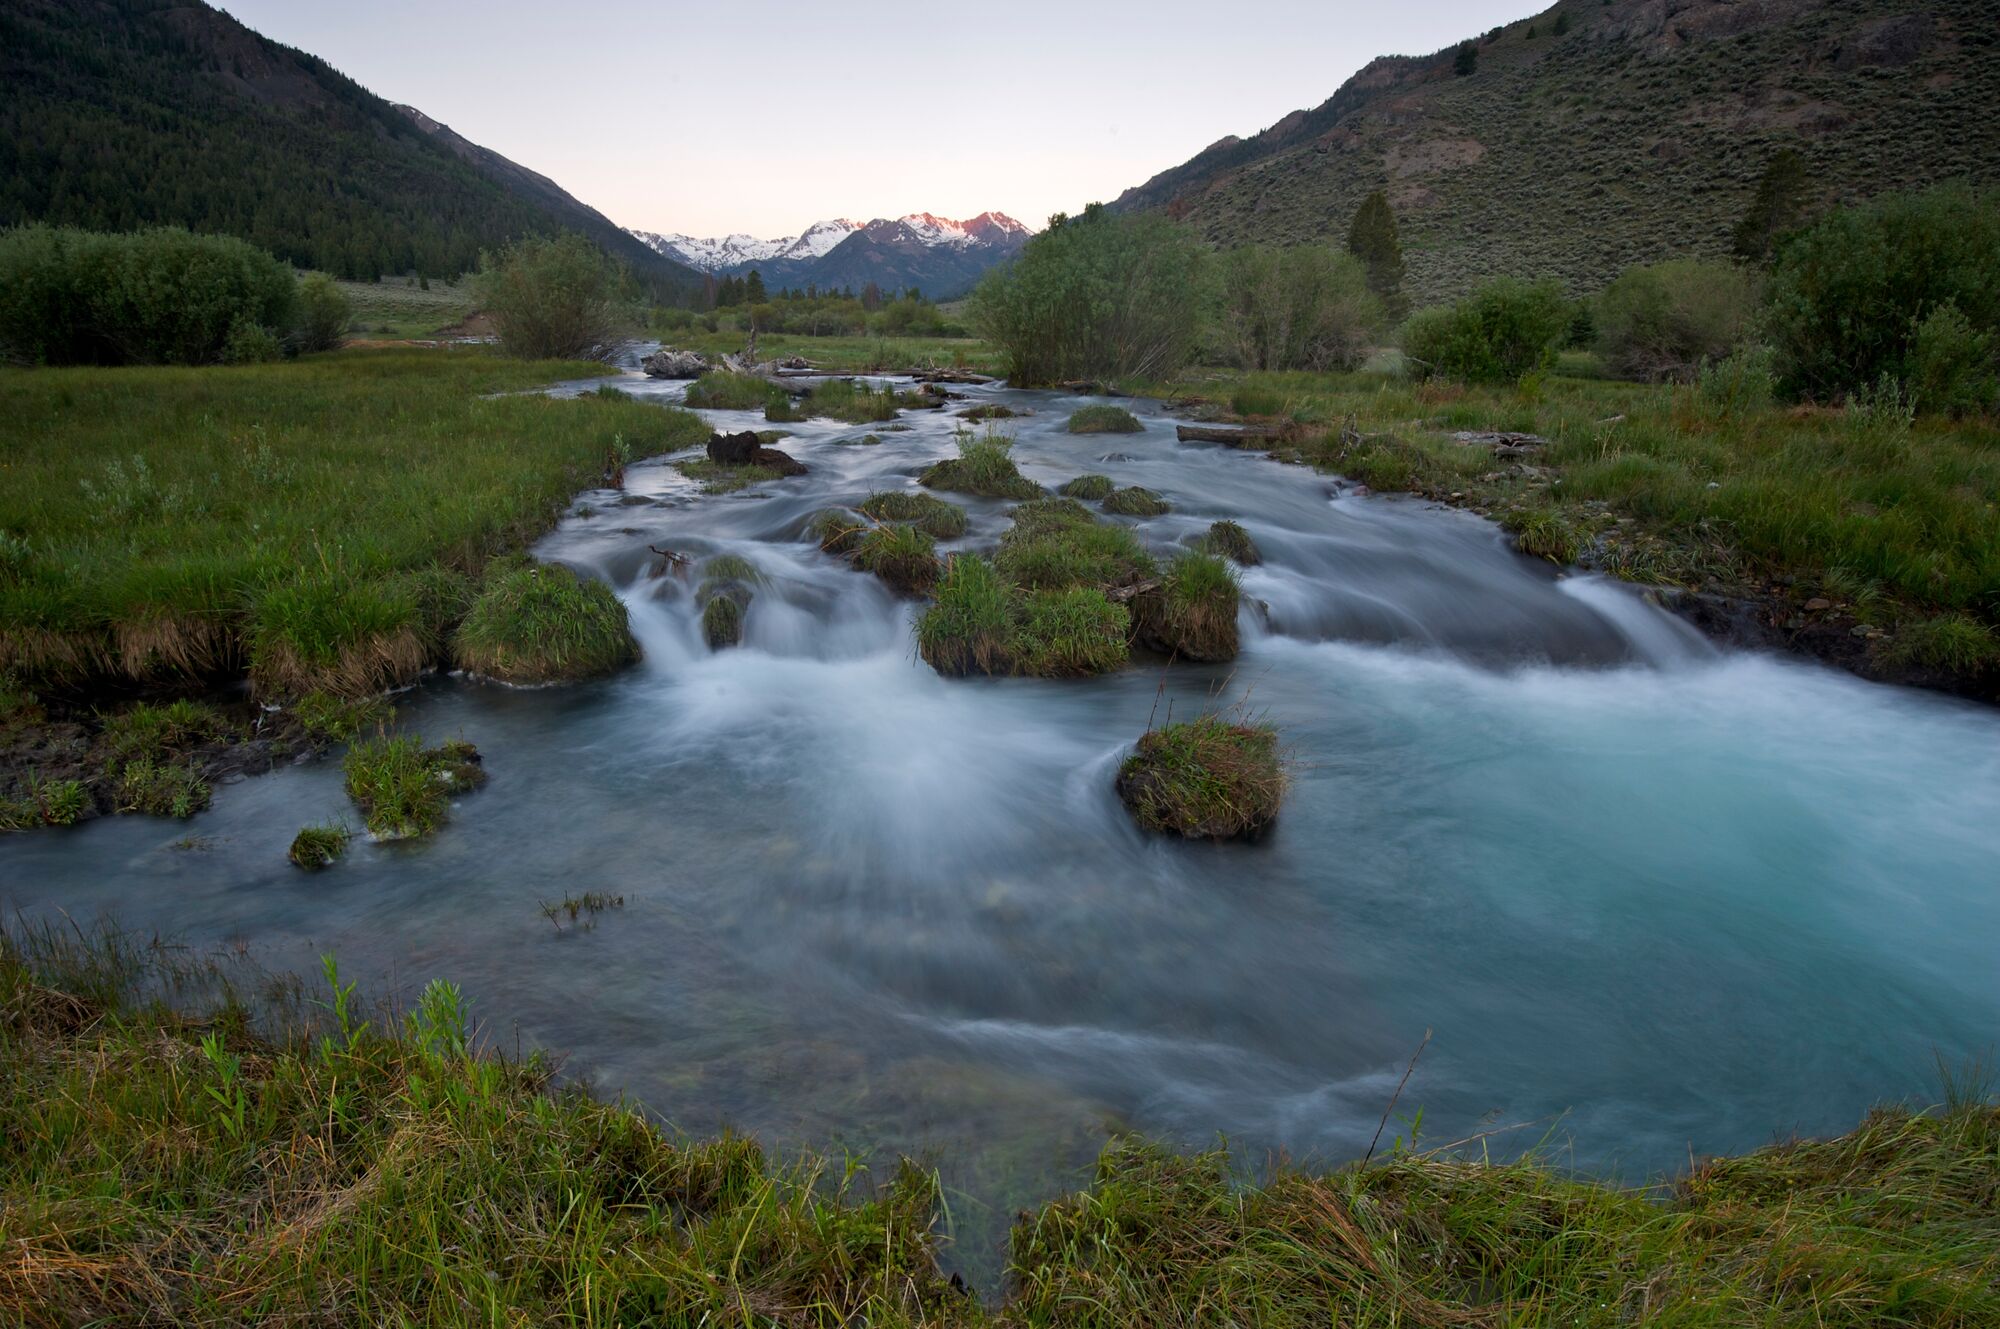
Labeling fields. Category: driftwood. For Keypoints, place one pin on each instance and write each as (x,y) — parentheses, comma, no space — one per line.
(932,374)
(1246,436)
(777,378)
(1090,387)
(669,562)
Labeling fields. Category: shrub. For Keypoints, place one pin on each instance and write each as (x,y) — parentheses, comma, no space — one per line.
(543,624)
(1503,331)
(1849,295)
(316,847)
(903,556)
(324,313)
(1104,420)
(1136,502)
(1193,613)
(1069,633)
(1738,386)
(968,627)
(1089,488)
(1666,320)
(1231,541)
(1951,367)
(1307,307)
(555,299)
(982,467)
(934,516)
(1100,295)
(162,296)
(250,344)
(1204,779)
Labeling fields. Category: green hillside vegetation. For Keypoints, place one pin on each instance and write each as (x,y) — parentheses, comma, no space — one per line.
(189,1167)
(135,113)
(1606,133)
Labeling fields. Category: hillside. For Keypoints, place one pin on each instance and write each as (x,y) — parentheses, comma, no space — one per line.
(1636,134)
(940,257)
(126,113)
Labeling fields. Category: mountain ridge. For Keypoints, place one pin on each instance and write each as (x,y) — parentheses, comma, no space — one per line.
(938,255)
(1634,133)
(128,113)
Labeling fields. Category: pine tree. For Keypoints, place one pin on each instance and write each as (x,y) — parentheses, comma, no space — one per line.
(1467,59)
(1372,239)
(871,297)
(753,288)
(1777,207)
(1562,24)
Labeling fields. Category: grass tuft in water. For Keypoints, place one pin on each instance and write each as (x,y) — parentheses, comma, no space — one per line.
(983,467)
(1205,779)
(1089,488)
(934,516)
(403,788)
(1104,420)
(837,530)
(1232,542)
(316,847)
(1135,502)
(543,624)
(968,628)
(903,556)
(1192,614)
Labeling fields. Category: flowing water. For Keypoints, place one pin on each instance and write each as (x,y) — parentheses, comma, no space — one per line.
(1649,898)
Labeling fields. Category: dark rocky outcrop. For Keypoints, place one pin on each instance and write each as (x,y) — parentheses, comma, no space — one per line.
(747,449)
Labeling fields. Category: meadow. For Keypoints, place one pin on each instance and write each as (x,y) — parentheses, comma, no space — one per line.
(311,521)
(199,1164)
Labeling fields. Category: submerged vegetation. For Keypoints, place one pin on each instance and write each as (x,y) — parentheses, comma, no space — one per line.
(1205,779)
(474,1186)
(316,847)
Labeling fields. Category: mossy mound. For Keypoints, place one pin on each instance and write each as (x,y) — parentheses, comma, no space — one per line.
(1135,502)
(1545,533)
(720,390)
(404,788)
(983,467)
(722,623)
(1055,543)
(903,556)
(1104,420)
(980,624)
(837,530)
(857,403)
(1192,613)
(544,624)
(935,517)
(992,410)
(726,589)
(1231,541)
(1089,488)
(316,847)
(1205,779)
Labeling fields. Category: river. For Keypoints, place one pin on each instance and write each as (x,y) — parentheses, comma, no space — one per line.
(1650,898)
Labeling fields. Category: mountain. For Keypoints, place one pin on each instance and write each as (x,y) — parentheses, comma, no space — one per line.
(127,113)
(940,257)
(1602,133)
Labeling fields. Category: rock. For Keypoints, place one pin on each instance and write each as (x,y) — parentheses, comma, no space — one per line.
(670,363)
(734,449)
(1814,605)
(784,463)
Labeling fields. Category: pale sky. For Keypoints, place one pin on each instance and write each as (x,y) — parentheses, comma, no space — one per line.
(716,117)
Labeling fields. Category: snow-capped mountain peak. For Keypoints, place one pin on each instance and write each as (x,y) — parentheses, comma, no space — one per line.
(732,252)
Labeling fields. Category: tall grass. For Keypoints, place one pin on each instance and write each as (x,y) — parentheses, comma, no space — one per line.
(177,522)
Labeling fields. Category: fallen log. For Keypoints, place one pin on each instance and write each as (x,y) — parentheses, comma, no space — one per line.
(1236,436)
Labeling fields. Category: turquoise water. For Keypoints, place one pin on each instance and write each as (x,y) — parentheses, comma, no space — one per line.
(1648,898)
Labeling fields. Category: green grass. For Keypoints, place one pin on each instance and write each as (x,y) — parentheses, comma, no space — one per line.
(188,1167)
(45,803)
(330,719)
(316,847)
(722,622)
(1104,420)
(1089,488)
(982,467)
(1056,543)
(1074,632)
(404,788)
(855,354)
(858,403)
(718,479)
(968,628)
(160,788)
(903,556)
(1135,502)
(721,390)
(837,530)
(1193,613)
(189,522)
(1204,779)
(937,518)
(1231,541)
(158,731)
(394,308)
(544,624)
